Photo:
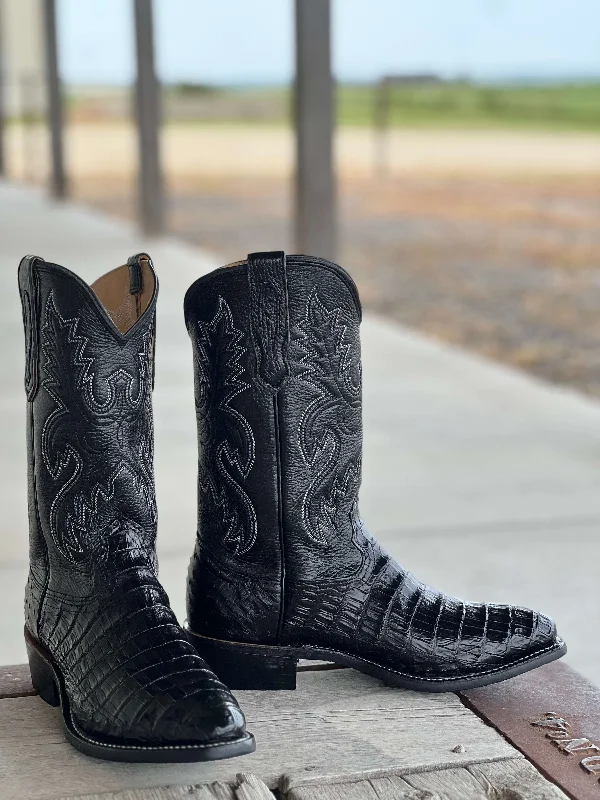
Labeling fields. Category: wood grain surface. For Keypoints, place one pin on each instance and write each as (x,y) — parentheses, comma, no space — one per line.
(15,681)
(511,779)
(338,724)
(246,787)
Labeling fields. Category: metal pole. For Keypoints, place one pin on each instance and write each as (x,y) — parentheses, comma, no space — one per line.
(315,195)
(58,179)
(150,185)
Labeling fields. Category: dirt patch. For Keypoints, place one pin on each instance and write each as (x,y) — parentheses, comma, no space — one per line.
(507,267)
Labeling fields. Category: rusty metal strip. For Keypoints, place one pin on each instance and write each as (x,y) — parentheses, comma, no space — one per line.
(552,715)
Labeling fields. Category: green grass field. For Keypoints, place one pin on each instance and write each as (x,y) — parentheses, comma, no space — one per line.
(570,106)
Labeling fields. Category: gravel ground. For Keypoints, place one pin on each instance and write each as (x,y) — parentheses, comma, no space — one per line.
(505,266)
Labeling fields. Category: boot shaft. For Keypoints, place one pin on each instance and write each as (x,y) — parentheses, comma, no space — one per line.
(88,380)
(278,401)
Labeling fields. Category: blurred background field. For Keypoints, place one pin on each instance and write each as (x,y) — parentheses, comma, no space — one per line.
(469,212)
(414,99)
(467,147)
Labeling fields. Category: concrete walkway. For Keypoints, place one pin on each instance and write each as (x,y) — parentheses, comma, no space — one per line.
(481,480)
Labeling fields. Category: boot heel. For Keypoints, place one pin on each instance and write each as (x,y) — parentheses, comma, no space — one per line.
(42,676)
(246,666)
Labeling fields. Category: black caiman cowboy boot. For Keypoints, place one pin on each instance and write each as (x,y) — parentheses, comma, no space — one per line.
(102,640)
(283,566)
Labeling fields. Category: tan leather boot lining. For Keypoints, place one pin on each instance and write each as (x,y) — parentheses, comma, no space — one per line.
(113,291)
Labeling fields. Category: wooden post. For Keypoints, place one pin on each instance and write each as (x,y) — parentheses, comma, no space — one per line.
(58,179)
(2,123)
(150,182)
(315,190)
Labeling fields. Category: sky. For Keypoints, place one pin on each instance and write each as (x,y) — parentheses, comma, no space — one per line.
(251,41)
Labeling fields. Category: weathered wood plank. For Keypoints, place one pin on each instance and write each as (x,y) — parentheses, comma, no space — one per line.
(450,784)
(391,788)
(511,779)
(213,791)
(15,681)
(249,787)
(517,779)
(336,725)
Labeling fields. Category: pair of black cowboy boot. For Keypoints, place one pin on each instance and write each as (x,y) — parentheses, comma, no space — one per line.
(283,566)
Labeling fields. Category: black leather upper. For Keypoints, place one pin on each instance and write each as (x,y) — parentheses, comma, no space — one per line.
(282,556)
(93,599)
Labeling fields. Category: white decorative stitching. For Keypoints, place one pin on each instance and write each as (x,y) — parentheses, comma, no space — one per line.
(239,534)
(336,385)
(79,520)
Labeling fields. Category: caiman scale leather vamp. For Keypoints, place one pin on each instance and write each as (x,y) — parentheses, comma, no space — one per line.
(102,640)
(284,567)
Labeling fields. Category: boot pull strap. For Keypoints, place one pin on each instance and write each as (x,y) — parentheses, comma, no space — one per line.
(29,291)
(136,287)
(136,275)
(269,317)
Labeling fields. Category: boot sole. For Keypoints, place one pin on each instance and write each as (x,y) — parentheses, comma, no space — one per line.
(255,666)
(49,684)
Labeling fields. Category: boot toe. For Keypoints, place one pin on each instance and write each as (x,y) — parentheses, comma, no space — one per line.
(206,718)
(513,635)
(532,633)
(475,640)
(168,703)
